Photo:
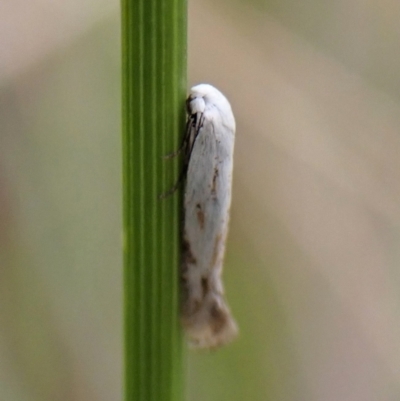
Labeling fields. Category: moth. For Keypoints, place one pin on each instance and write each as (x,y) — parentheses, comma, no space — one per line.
(207,171)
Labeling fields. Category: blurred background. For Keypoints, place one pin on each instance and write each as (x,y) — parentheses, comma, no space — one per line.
(312,270)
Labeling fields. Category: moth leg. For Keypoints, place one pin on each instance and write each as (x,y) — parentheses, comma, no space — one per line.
(199,123)
(183,144)
(186,145)
(175,186)
(176,153)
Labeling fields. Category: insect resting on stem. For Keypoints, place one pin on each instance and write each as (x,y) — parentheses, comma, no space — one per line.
(207,172)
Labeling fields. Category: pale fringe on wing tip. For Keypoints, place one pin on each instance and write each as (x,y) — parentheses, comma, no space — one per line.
(211,326)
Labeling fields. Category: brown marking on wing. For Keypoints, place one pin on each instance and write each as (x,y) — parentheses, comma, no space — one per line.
(205,286)
(187,258)
(218,318)
(187,254)
(200,215)
(194,306)
(215,255)
(214,181)
(188,306)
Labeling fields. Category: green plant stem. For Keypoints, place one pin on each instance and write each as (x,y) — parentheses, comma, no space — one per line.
(154,89)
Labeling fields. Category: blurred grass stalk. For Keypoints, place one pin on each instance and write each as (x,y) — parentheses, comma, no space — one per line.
(154,88)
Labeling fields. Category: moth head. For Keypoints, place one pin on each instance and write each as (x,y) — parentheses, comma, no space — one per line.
(205,97)
(195,104)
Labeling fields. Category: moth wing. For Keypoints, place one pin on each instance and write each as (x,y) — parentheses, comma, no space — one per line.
(207,202)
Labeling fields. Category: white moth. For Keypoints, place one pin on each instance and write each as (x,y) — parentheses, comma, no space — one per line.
(208,147)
